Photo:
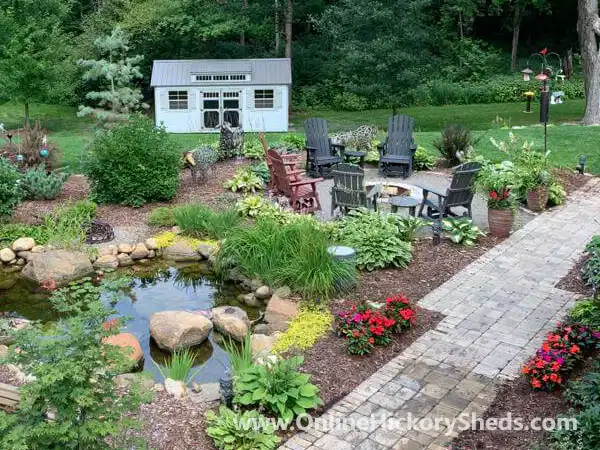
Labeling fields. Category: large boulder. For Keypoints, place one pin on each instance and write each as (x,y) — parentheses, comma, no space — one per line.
(181,251)
(130,345)
(23,244)
(262,344)
(279,313)
(232,321)
(124,260)
(60,266)
(106,262)
(179,329)
(7,255)
(139,252)
(206,249)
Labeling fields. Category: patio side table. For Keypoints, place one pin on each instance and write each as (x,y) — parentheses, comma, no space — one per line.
(355,154)
(404,202)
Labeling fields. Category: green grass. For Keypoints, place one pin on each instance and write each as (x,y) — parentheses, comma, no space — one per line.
(72,134)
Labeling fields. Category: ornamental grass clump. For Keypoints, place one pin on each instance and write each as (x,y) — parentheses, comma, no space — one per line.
(368,325)
(558,355)
(200,221)
(179,367)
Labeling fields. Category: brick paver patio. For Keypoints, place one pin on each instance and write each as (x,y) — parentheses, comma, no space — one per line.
(498,310)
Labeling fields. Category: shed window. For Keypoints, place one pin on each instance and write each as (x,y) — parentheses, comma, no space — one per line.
(263,98)
(178,100)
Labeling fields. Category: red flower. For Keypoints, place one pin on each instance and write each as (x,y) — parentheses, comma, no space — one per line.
(544,51)
(536,383)
(554,378)
(494,195)
(574,349)
(371,340)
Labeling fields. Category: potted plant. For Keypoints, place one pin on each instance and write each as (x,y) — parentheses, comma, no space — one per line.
(533,178)
(496,182)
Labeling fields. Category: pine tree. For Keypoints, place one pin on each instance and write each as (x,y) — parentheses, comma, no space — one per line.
(116,73)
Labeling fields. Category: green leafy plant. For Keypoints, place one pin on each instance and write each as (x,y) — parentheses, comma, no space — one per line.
(375,237)
(293,255)
(587,312)
(422,160)
(10,191)
(532,169)
(455,143)
(496,181)
(585,392)
(586,436)
(409,226)
(236,430)
(254,206)
(245,181)
(262,170)
(462,231)
(39,184)
(279,388)
(132,164)
(67,224)
(293,142)
(161,217)
(200,221)
(556,193)
(253,149)
(304,330)
(10,232)
(179,366)
(240,355)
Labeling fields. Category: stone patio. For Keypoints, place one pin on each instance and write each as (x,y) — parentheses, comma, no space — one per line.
(498,310)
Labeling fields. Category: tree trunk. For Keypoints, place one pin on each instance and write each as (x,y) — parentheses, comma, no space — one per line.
(289,15)
(26,114)
(515,37)
(588,27)
(243,33)
(277,34)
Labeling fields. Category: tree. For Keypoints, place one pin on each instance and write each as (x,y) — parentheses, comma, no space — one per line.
(116,72)
(588,27)
(33,50)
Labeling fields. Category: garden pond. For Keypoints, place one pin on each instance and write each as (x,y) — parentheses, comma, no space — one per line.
(153,288)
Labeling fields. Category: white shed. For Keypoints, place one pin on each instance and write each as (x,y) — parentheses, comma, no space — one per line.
(196,96)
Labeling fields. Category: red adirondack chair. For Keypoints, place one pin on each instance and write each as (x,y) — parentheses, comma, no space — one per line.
(290,161)
(301,191)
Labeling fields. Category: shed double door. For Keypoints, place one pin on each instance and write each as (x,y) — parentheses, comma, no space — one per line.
(220,105)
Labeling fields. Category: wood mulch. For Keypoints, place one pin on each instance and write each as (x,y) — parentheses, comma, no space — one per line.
(571,180)
(572,282)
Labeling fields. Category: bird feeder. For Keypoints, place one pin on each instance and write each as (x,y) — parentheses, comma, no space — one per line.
(527,74)
(529,97)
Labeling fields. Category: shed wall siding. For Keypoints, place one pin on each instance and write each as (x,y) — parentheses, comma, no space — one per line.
(252,119)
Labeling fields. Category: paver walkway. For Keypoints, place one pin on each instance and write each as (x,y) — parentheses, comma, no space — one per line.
(498,310)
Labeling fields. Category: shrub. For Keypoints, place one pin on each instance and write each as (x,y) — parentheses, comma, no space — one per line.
(10,191)
(161,217)
(304,330)
(236,430)
(455,143)
(200,221)
(279,388)
(349,101)
(253,149)
(556,194)
(39,184)
(375,238)
(421,161)
(294,255)
(179,367)
(245,181)
(132,164)
(293,142)
(462,231)
(74,380)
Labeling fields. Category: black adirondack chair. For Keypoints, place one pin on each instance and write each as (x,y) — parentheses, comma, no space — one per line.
(396,154)
(460,193)
(321,154)
(348,191)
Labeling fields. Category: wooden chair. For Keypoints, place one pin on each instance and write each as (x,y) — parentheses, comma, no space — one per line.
(301,191)
(291,160)
(460,193)
(320,152)
(399,147)
(348,191)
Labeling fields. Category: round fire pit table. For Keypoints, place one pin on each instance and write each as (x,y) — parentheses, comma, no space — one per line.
(355,154)
(404,202)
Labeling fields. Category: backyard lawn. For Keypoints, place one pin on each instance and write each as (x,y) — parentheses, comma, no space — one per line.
(566,142)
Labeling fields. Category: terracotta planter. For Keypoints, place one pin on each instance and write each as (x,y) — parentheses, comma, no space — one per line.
(537,199)
(500,221)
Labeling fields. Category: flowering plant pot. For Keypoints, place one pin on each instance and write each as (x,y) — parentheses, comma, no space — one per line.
(501,221)
(537,198)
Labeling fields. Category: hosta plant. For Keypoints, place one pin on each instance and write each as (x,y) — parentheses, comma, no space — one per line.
(236,430)
(279,388)
(462,231)
(409,226)
(245,181)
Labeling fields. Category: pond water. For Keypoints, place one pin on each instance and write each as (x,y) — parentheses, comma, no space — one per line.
(154,288)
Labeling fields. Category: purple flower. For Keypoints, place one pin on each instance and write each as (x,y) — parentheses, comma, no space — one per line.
(356,318)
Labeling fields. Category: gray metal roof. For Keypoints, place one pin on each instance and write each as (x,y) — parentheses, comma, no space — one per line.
(179,72)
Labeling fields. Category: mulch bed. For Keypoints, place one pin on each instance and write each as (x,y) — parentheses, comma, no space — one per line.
(8,376)
(520,400)
(571,180)
(572,282)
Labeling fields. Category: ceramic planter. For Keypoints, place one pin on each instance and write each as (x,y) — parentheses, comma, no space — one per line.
(500,221)
(537,199)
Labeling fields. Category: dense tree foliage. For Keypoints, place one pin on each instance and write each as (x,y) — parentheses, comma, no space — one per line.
(346,54)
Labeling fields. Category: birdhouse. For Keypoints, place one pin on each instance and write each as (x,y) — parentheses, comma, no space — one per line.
(527,74)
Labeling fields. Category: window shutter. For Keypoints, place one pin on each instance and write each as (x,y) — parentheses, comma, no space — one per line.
(250,99)
(192,103)
(163,98)
(277,98)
